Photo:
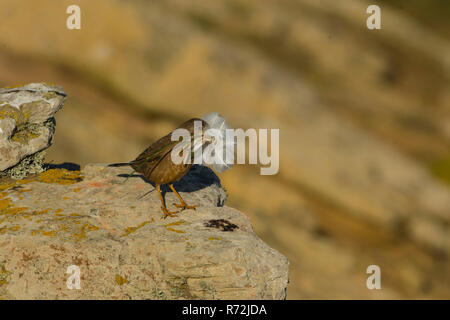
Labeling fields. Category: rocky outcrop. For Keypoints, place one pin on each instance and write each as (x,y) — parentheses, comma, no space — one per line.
(109,224)
(27,126)
(363,118)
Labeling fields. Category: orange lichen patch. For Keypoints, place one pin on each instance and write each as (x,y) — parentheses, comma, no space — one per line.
(174,230)
(66,198)
(60,176)
(121,280)
(133,229)
(74,215)
(238,271)
(214,238)
(95,184)
(59,210)
(76,189)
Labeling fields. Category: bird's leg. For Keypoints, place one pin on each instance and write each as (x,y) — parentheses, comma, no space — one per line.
(163,207)
(183,204)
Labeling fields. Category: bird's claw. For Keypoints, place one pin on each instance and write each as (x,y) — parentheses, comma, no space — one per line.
(168,213)
(184,206)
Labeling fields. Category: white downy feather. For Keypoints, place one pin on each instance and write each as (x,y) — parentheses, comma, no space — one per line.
(218,124)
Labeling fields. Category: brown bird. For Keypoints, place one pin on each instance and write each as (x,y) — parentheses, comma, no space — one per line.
(156,165)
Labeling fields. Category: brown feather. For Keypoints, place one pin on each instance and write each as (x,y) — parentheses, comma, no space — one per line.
(155,162)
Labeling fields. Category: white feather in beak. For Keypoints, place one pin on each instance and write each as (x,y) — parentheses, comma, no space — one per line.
(218,126)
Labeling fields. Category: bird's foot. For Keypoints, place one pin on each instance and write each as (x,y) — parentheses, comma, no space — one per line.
(184,206)
(168,213)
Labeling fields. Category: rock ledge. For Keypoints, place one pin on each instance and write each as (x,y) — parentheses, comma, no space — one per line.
(106,224)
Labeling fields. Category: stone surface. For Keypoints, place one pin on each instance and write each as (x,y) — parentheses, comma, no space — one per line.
(112,229)
(27,124)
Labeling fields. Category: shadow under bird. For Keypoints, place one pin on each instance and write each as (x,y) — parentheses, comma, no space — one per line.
(156,164)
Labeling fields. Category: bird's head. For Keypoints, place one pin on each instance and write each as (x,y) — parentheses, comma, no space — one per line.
(209,134)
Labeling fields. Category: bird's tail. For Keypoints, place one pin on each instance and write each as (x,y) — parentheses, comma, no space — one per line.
(120,164)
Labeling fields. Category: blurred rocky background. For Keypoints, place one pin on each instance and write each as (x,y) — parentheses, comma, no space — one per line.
(364,117)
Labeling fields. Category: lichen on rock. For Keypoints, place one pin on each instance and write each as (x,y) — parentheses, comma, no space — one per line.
(99,221)
(27,126)
(104,220)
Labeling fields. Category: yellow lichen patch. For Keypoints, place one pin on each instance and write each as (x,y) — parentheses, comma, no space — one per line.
(175,230)
(76,189)
(120,280)
(60,176)
(58,210)
(37,213)
(14,86)
(24,136)
(8,111)
(7,207)
(12,184)
(133,229)
(3,275)
(49,95)
(6,186)
(4,203)
(214,238)
(176,223)
(14,228)
(82,233)
(50,233)
(29,108)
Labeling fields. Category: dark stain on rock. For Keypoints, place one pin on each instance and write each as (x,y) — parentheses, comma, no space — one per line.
(222,224)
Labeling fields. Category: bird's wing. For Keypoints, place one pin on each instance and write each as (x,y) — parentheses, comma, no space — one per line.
(151,156)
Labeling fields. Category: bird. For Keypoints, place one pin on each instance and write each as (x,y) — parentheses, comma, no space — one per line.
(156,164)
